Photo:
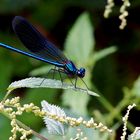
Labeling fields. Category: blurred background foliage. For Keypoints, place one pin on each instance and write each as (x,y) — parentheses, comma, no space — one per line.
(85,38)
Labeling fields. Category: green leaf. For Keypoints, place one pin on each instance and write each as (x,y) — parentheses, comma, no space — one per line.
(103,53)
(135,135)
(5,128)
(79,45)
(79,42)
(136,87)
(46,83)
(77,104)
(53,126)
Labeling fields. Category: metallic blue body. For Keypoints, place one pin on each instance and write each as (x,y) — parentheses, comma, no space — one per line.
(70,67)
(30,55)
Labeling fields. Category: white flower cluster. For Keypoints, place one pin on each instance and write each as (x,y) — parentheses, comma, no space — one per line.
(12,108)
(125,119)
(80,121)
(108,8)
(124,13)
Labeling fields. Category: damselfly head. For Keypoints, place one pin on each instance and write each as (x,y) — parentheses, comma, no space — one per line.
(81,72)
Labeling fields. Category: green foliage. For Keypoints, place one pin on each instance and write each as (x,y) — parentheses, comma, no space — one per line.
(5,128)
(136,88)
(7,6)
(70,100)
(103,53)
(80,42)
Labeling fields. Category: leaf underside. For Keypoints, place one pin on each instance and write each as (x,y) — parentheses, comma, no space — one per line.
(34,82)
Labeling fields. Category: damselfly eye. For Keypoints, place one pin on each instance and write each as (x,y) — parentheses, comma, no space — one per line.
(81,72)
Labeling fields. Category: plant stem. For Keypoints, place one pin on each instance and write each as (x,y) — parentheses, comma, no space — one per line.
(7,94)
(28,128)
(25,127)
